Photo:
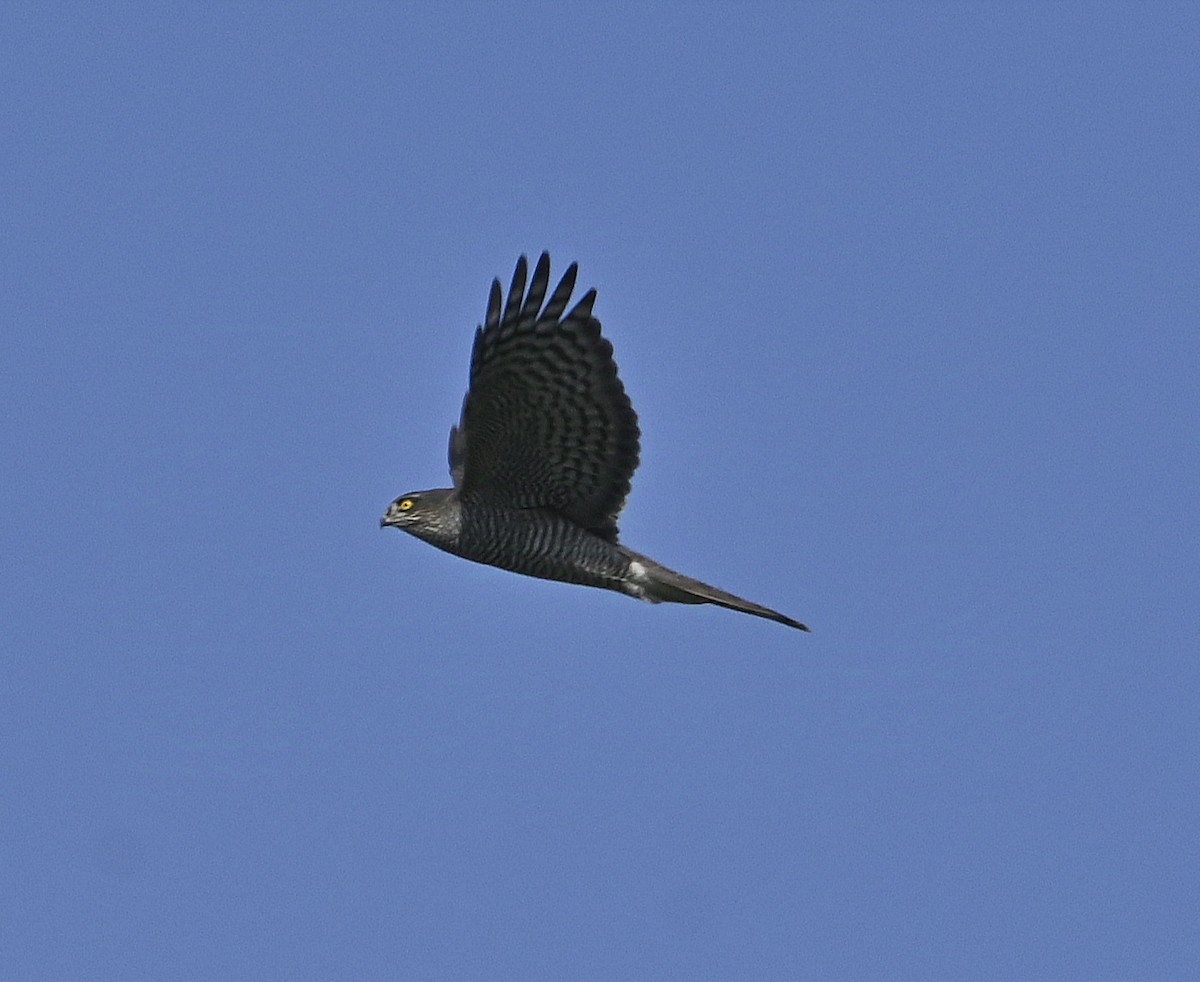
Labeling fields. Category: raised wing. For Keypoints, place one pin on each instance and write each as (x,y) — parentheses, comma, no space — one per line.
(546,422)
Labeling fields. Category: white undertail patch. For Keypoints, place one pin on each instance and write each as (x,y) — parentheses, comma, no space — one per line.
(635,586)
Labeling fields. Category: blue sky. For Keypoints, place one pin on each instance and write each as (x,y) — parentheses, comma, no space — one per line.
(906,299)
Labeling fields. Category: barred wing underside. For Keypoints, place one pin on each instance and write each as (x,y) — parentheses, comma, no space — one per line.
(546,422)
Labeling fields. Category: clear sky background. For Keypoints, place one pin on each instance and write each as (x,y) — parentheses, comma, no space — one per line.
(906,297)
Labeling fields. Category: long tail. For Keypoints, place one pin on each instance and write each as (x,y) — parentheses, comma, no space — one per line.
(658,584)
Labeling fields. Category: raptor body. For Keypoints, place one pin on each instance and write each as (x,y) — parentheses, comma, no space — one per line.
(544,452)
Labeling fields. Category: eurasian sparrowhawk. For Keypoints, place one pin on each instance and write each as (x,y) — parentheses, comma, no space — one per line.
(543,455)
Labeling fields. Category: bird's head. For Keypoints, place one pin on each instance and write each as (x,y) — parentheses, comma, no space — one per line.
(404,511)
(423,513)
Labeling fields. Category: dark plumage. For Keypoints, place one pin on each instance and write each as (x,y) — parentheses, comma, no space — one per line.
(544,452)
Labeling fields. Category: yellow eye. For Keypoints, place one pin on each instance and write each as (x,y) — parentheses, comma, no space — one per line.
(406,504)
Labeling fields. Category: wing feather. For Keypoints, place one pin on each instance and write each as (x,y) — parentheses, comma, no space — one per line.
(546,422)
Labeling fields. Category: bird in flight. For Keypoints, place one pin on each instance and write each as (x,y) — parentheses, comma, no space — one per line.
(543,455)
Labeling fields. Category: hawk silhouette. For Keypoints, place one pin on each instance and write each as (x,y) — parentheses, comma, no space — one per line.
(544,452)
